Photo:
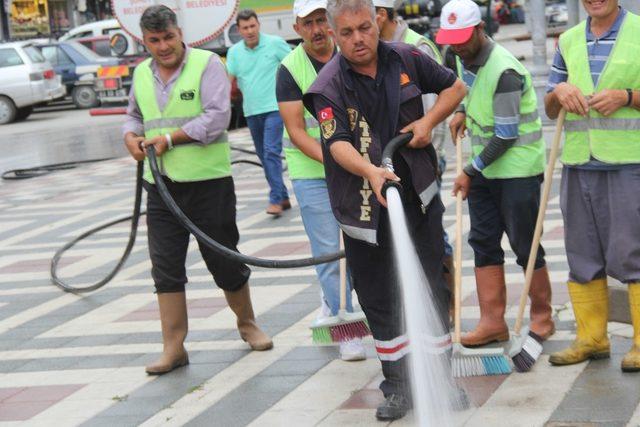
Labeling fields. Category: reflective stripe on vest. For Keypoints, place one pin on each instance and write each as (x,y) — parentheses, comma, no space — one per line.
(614,139)
(413,38)
(299,164)
(185,162)
(365,234)
(526,157)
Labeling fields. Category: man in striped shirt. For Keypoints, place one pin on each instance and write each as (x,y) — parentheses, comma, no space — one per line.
(595,78)
(502,181)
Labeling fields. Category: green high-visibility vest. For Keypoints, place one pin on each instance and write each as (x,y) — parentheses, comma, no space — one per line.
(185,162)
(526,157)
(613,139)
(299,164)
(413,38)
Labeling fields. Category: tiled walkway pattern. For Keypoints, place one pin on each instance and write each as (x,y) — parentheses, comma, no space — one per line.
(73,360)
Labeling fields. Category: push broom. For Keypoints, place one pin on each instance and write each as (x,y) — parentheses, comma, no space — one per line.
(468,362)
(526,345)
(345,326)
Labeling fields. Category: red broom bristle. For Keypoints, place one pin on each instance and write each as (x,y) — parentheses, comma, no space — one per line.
(349,331)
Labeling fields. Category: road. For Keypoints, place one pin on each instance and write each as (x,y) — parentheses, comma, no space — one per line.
(59,134)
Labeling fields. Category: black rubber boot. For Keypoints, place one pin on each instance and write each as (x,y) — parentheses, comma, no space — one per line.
(394,407)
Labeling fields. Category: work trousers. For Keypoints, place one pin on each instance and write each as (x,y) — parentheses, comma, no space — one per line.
(601,212)
(498,206)
(376,283)
(211,206)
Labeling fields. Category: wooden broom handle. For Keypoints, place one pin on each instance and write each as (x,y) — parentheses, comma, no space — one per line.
(457,278)
(343,277)
(537,234)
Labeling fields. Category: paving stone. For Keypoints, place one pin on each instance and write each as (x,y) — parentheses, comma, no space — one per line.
(111,421)
(53,364)
(602,393)
(21,411)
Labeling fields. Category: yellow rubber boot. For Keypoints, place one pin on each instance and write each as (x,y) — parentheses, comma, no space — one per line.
(591,307)
(631,361)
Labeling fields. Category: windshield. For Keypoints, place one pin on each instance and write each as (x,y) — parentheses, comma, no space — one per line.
(33,54)
(85,51)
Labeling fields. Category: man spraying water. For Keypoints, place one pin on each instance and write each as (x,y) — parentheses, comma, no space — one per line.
(362,98)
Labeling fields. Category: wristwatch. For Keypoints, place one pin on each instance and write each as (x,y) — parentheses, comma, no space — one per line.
(629,98)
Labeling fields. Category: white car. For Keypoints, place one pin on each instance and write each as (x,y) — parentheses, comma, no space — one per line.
(26,79)
(124,44)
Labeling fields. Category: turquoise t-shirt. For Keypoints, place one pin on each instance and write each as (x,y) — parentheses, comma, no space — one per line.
(255,69)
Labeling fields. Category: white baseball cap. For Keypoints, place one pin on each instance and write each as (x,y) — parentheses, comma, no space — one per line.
(302,8)
(457,21)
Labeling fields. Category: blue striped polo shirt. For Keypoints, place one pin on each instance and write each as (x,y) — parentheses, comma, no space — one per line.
(598,50)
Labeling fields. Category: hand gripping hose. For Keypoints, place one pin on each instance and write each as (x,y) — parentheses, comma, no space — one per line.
(186,222)
(387,159)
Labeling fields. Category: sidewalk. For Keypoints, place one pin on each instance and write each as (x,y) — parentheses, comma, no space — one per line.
(78,360)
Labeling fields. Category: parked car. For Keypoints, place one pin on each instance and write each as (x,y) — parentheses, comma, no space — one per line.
(557,13)
(26,79)
(100,45)
(78,66)
(109,28)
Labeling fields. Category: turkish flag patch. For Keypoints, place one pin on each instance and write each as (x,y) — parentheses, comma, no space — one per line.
(325,114)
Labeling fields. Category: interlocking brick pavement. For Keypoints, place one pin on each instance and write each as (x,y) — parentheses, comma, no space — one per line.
(78,360)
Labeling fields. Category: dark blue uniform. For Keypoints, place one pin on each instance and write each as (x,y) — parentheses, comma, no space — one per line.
(368,113)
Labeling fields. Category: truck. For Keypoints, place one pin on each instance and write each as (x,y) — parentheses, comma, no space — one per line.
(113,83)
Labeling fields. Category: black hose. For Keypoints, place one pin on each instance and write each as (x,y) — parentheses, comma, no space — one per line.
(387,159)
(393,146)
(127,251)
(27,173)
(220,249)
(137,212)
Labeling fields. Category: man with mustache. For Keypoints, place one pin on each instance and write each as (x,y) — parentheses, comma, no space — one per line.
(304,154)
(595,77)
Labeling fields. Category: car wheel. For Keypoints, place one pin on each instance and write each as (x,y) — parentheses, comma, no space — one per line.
(8,110)
(84,97)
(24,112)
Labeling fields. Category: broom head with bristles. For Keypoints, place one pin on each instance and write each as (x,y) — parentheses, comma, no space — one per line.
(472,362)
(526,348)
(343,327)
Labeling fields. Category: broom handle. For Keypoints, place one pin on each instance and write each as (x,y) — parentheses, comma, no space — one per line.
(457,277)
(537,234)
(343,278)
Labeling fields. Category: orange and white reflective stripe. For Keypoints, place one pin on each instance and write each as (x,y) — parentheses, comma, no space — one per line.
(436,345)
(395,349)
(114,71)
(392,350)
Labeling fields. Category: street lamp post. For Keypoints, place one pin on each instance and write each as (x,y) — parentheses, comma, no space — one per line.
(540,70)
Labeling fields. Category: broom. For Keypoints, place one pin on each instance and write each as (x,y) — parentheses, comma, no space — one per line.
(526,345)
(467,362)
(345,326)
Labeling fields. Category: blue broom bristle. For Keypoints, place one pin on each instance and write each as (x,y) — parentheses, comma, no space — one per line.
(496,365)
